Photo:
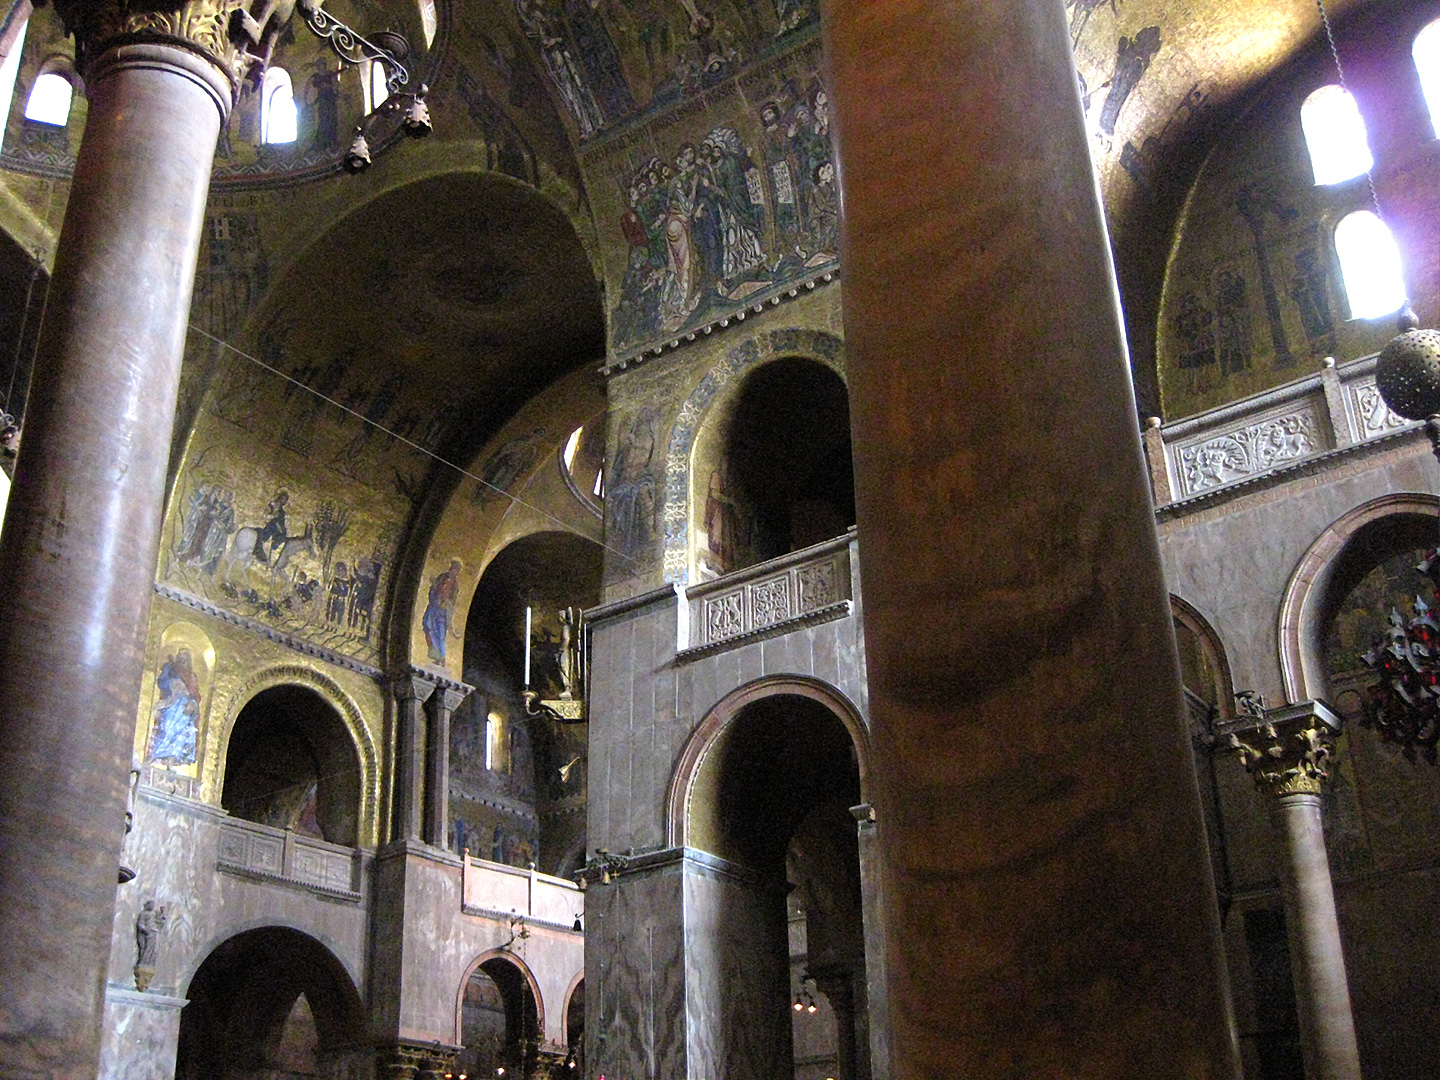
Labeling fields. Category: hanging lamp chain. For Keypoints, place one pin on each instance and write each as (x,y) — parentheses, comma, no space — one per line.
(1345,86)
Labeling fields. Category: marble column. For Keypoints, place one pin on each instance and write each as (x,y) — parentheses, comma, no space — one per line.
(78,553)
(1049,909)
(839,989)
(1286,750)
(407,814)
(437,766)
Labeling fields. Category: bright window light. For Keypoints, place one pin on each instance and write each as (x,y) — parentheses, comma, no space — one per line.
(50,100)
(1426,52)
(429,20)
(1370,265)
(1335,135)
(572,445)
(279,119)
(377,90)
(9,72)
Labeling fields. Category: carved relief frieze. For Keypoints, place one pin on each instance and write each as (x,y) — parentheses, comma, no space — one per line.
(770,602)
(1372,416)
(1249,450)
(773,599)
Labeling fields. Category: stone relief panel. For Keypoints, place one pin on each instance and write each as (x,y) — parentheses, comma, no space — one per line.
(772,600)
(1368,409)
(1255,448)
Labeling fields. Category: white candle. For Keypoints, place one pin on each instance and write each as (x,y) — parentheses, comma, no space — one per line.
(527,646)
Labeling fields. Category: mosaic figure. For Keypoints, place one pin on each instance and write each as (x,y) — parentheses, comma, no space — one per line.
(441,607)
(176,716)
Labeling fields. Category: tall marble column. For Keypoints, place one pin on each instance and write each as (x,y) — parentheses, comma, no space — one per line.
(407,816)
(1286,750)
(437,766)
(1049,908)
(78,554)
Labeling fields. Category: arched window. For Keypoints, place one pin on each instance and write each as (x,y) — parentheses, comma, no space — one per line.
(377,90)
(429,20)
(279,120)
(50,100)
(1370,265)
(9,72)
(1426,52)
(1335,135)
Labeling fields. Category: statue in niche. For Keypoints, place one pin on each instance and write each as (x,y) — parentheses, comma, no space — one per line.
(148,926)
(569,654)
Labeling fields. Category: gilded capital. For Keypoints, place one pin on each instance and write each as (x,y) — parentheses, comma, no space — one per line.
(1286,750)
(235,35)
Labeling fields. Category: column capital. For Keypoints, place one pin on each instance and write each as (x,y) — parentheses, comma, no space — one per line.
(410,684)
(1286,750)
(450,697)
(234,35)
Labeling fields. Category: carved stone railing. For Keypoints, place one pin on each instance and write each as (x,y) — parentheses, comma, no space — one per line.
(263,853)
(1334,409)
(496,891)
(808,586)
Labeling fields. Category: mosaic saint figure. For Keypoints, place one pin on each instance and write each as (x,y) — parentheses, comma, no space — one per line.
(176,713)
(546,32)
(1132,60)
(680,297)
(739,200)
(441,606)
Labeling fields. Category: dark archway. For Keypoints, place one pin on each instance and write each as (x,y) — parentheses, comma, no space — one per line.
(784,478)
(502,755)
(499,1021)
(773,795)
(291,763)
(269,1004)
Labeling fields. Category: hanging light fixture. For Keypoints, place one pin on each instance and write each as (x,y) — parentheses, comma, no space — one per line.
(389,50)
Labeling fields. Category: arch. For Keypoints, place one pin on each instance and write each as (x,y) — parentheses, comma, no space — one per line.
(349,713)
(1187,615)
(577,986)
(678,512)
(720,716)
(1301,669)
(273,920)
(243,997)
(526,974)
(1335,135)
(51,96)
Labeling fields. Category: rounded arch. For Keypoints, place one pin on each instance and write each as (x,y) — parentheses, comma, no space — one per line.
(574,990)
(1298,631)
(274,921)
(263,987)
(525,973)
(678,515)
(724,712)
(334,696)
(1212,664)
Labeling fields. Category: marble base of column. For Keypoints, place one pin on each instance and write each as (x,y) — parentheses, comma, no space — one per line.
(82,533)
(1322,993)
(1048,903)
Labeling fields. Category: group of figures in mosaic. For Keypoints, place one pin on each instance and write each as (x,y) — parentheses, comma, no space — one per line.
(721,221)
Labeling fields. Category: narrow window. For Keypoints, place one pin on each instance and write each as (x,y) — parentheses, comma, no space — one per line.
(9,72)
(1370,265)
(496,744)
(1335,135)
(279,120)
(377,90)
(429,20)
(1426,52)
(50,100)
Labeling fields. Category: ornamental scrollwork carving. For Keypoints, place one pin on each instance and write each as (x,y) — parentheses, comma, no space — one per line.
(237,35)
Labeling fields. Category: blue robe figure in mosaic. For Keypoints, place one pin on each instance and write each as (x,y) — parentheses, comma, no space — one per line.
(177,712)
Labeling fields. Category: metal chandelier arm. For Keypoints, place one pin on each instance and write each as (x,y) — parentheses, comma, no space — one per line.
(352,46)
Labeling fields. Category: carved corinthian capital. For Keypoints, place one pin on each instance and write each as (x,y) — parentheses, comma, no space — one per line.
(1286,750)
(235,35)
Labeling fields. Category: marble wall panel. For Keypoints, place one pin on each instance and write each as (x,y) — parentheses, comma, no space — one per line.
(635,975)
(140,1037)
(737,974)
